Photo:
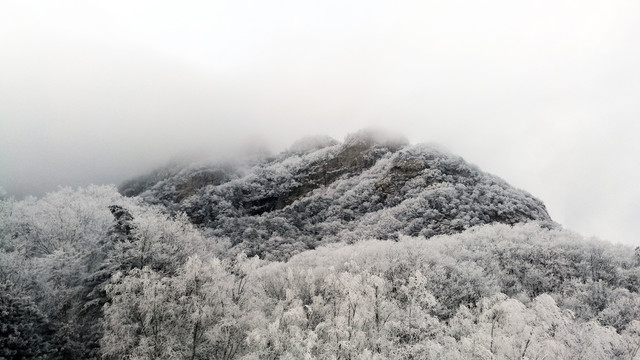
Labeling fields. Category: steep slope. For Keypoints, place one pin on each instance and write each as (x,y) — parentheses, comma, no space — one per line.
(373,185)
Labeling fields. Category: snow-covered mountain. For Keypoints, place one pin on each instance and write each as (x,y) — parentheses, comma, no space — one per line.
(368,249)
(373,185)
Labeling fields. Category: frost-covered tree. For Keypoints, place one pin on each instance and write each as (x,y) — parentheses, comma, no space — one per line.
(24,331)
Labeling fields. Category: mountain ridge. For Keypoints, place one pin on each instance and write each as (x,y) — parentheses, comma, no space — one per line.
(374,184)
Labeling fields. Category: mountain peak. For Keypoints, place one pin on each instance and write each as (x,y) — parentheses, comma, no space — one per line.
(311,143)
(374,185)
(376,137)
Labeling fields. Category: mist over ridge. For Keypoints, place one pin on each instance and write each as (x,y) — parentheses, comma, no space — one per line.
(96,93)
(345,180)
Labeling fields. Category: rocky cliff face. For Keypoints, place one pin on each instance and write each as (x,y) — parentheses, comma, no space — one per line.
(371,186)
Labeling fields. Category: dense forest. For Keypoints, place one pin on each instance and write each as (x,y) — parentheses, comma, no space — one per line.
(367,249)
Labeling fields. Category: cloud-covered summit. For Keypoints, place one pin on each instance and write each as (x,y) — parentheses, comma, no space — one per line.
(374,184)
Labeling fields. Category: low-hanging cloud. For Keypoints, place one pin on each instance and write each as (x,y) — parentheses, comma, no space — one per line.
(542,94)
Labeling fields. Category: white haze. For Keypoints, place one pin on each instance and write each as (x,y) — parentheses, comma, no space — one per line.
(544,94)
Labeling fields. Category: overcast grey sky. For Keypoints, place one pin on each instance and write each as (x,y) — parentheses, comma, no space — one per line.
(545,94)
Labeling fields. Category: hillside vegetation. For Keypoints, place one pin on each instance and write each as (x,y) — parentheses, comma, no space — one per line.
(370,249)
